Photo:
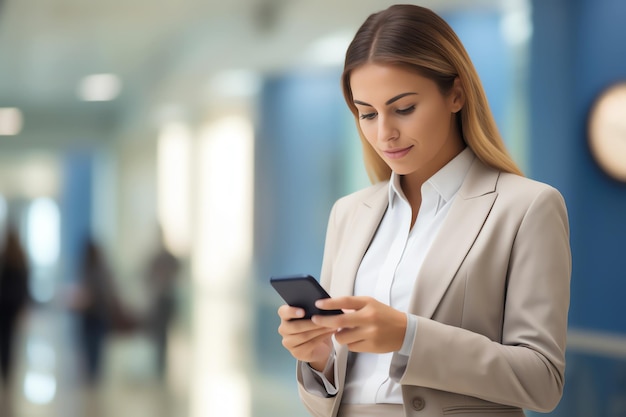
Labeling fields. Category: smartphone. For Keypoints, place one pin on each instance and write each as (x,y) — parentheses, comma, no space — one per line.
(302,291)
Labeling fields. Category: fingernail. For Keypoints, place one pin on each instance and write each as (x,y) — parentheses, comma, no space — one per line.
(300,313)
(319,303)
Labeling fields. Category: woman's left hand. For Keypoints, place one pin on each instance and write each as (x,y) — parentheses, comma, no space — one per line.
(367,325)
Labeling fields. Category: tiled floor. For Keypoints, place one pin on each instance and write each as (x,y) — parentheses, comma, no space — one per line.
(48,380)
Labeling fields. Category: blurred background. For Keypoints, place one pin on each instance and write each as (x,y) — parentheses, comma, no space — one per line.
(159,160)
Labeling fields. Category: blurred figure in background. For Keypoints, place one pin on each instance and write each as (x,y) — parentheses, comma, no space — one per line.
(161,276)
(98,307)
(14,296)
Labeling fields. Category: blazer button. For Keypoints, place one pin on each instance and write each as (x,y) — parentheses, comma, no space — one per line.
(418,403)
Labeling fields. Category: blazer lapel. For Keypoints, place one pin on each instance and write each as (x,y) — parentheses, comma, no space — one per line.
(455,238)
(361,231)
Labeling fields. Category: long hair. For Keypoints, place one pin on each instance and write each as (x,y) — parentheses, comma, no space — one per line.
(415,37)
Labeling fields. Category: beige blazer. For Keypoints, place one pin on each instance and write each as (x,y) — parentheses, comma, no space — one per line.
(492,298)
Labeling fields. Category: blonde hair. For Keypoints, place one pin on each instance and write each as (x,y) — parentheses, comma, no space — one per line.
(415,37)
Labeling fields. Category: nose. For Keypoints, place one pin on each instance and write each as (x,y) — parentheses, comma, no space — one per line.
(387,131)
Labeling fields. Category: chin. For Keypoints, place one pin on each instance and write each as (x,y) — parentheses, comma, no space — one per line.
(401,169)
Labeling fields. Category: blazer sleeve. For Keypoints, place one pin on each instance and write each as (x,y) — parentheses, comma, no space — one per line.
(525,369)
(317,405)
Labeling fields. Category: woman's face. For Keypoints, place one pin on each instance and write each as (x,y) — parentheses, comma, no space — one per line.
(406,119)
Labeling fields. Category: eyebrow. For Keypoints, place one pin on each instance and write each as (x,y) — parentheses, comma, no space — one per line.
(388,102)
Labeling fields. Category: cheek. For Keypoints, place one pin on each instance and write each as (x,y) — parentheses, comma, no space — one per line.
(432,122)
(368,128)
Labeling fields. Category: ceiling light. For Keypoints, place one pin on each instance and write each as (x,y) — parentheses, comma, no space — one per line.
(516,24)
(11,121)
(99,87)
(328,50)
(235,83)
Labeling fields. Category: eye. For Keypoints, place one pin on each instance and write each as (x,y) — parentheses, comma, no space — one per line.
(407,110)
(367,116)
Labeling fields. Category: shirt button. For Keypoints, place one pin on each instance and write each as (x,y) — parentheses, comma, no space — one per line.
(418,403)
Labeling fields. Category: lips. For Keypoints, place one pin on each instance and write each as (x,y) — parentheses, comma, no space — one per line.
(397,153)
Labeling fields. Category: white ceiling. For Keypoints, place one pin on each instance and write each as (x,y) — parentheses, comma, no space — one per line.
(163,50)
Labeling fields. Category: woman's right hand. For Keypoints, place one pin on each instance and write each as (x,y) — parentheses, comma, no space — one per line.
(305,340)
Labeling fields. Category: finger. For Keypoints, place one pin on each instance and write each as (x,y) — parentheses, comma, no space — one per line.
(301,339)
(337,321)
(349,337)
(342,303)
(329,322)
(359,346)
(287,312)
(308,352)
(293,326)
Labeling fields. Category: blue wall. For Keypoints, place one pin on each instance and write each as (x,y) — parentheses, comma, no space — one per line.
(298,166)
(297,176)
(578,49)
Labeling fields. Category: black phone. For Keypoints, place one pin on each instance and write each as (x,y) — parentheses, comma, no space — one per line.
(302,291)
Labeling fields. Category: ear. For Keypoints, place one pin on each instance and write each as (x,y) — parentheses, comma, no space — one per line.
(457,96)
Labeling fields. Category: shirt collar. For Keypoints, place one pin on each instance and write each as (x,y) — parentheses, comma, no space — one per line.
(446,182)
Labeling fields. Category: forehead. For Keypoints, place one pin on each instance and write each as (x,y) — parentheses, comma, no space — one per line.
(377,81)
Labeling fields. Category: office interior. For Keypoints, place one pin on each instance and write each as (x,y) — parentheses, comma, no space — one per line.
(218,130)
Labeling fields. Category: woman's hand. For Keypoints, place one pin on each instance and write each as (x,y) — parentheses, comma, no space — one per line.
(305,340)
(367,325)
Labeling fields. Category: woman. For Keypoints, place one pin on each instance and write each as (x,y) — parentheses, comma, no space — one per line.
(453,269)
